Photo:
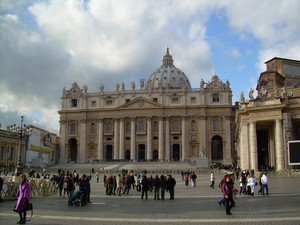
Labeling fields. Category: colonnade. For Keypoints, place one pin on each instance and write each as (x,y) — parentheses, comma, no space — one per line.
(164,152)
(248,145)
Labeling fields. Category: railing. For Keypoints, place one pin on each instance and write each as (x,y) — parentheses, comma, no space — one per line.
(38,187)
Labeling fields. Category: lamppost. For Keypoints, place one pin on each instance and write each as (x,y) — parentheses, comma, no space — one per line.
(23,132)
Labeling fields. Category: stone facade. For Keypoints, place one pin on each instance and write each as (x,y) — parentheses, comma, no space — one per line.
(163,119)
(265,124)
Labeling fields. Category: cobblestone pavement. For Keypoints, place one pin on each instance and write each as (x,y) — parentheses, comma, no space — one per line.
(192,205)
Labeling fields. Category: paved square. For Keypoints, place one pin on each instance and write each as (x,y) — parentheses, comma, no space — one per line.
(192,205)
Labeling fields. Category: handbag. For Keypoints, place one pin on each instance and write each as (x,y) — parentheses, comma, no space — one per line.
(27,206)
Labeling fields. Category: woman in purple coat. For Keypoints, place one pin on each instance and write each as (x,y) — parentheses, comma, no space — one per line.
(23,195)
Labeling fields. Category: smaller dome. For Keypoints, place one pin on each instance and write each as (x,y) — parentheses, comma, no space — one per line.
(168,76)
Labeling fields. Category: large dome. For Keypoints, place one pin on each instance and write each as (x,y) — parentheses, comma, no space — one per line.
(168,76)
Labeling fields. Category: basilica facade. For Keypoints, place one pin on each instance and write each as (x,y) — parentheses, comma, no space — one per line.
(162,119)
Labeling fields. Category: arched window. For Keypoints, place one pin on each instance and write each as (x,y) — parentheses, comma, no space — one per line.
(73,128)
(109,127)
(127,127)
(176,125)
(155,126)
(93,128)
(141,126)
(216,125)
(194,126)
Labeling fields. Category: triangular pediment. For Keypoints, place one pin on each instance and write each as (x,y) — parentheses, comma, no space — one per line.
(141,103)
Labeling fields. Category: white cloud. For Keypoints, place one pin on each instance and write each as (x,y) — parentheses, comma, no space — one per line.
(275,24)
(92,43)
(46,45)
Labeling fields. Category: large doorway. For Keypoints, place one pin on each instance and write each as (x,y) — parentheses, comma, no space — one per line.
(127,155)
(141,152)
(263,148)
(109,153)
(176,152)
(216,148)
(73,149)
(155,155)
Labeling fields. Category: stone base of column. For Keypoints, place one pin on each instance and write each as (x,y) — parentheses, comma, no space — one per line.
(202,162)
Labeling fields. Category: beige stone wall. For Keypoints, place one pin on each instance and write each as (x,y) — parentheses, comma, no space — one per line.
(194,109)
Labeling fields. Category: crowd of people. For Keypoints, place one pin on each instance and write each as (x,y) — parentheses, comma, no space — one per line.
(239,182)
(122,183)
(189,176)
(247,183)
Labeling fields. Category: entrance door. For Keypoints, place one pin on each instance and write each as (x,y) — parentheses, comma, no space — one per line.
(176,152)
(127,155)
(155,155)
(73,150)
(263,148)
(217,148)
(141,152)
(109,153)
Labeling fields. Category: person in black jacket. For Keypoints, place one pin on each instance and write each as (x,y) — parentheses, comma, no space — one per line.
(145,187)
(156,184)
(85,188)
(71,185)
(171,182)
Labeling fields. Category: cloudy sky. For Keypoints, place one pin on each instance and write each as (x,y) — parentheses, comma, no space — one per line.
(46,45)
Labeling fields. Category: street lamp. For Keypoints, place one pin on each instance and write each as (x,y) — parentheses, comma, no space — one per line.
(23,132)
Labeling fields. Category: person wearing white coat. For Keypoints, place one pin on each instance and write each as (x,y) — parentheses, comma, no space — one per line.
(252,183)
(264,184)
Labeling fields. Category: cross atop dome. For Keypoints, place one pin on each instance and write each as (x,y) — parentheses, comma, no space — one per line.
(167,60)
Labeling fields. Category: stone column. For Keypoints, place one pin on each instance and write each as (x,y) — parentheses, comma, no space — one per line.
(149,139)
(202,135)
(244,147)
(116,138)
(63,150)
(82,155)
(279,145)
(184,138)
(100,141)
(253,146)
(132,154)
(168,153)
(161,139)
(122,139)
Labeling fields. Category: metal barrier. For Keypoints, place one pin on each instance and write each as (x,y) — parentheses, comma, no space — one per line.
(38,187)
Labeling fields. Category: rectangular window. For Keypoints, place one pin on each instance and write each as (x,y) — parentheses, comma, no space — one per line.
(127,100)
(216,125)
(108,102)
(93,104)
(127,138)
(175,100)
(175,137)
(154,99)
(108,139)
(193,100)
(11,154)
(155,138)
(216,98)
(74,102)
